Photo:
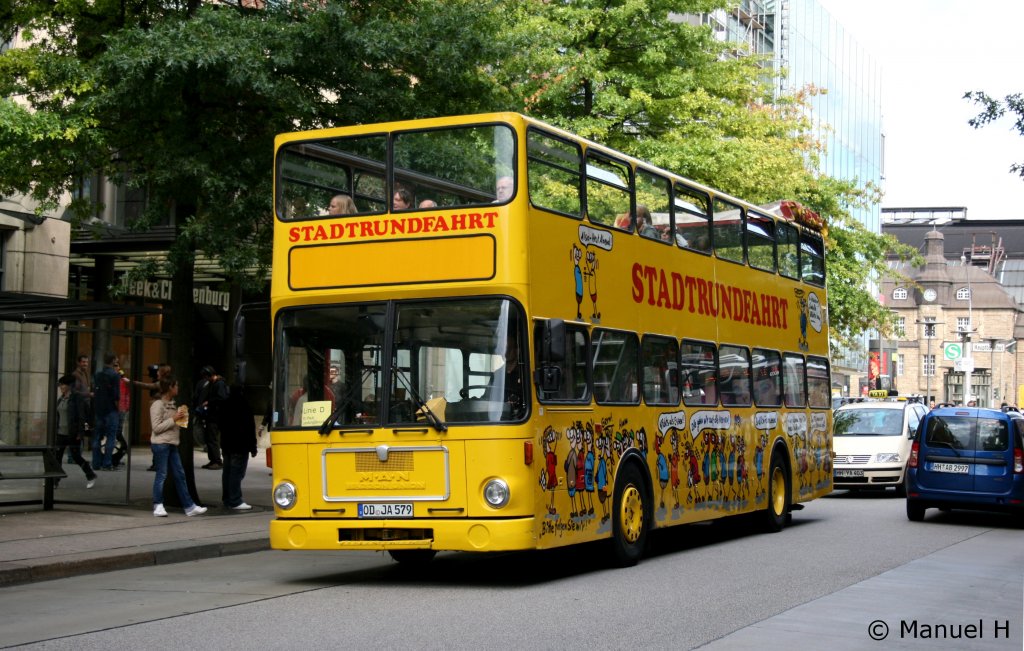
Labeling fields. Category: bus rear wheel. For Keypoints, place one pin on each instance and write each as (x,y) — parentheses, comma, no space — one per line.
(412,557)
(777,511)
(631,521)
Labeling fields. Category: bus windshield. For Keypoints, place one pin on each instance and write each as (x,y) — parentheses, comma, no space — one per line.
(433,168)
(422,363)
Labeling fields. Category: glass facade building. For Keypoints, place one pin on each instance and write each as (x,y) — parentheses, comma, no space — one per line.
(814,51)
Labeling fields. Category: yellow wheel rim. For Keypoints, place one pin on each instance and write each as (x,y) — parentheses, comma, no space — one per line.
(631,514)
(778,491)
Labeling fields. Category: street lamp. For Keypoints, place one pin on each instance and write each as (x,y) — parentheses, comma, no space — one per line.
(929,334)
(968,359)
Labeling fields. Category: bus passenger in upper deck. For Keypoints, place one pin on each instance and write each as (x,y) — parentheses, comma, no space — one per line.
(503,189)
(644,223)
(341,204)
(428,203)
(402,200)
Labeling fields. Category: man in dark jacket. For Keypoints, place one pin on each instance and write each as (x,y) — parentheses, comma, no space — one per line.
(210,395)
(106,386)
(238,438)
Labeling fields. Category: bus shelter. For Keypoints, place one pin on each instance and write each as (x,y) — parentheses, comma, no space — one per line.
(28,433)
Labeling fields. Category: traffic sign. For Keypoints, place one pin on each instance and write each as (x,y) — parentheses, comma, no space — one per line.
(952,351)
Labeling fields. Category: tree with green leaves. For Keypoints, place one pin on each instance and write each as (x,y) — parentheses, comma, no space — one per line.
(183,100)
(632,74)
(994,109)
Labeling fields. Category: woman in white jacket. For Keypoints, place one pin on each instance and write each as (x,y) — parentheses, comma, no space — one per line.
(164,416)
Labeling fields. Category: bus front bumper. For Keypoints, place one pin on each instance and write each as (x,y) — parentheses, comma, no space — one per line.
(481,535)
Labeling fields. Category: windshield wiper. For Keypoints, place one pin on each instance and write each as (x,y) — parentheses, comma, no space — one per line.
(421,405)
(345,401)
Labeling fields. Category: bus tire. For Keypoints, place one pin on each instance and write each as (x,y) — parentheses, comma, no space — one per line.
(777,511)
(631,519)
(412,557)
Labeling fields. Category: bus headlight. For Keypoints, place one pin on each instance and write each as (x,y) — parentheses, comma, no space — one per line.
(284,495)
(496,493)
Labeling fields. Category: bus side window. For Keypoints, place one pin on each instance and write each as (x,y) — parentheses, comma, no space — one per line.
(615,356)
(657,359)
(734,375)
(793,387)
(697,369)
(767,378)
(691,218)
(572,369)
(609,184)
(788,249)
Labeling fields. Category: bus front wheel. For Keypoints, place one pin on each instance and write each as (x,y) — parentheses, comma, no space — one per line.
(778,495)
(631,522)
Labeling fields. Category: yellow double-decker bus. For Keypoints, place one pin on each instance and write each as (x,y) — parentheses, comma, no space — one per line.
(492,335)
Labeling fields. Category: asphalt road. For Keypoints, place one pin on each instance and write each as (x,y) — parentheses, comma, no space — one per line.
(700,585)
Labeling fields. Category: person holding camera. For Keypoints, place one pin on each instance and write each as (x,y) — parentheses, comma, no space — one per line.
(210,395)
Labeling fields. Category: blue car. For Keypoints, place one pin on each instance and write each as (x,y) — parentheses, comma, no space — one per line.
(966,458)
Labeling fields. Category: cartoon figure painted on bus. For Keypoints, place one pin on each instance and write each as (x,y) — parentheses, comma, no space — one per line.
(692,475)
(548,474)
(641,442)
(659,440)
(741,469)
(576,257)
(586,464)
(592,265)
(730,467)
(801,300)
(573,434)
(603,446)
(673,467)
(759,467)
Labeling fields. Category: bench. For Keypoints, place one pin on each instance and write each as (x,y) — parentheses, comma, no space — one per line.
(51,467)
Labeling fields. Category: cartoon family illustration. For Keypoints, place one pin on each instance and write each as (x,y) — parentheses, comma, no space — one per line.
(710,449)
(721,475)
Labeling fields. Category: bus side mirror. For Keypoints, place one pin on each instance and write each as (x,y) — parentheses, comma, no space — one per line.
(240,348)
(240,334)
(552,341)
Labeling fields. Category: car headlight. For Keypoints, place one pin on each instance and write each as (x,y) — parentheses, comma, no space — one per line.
(496,493)
(888,457)
(284,495)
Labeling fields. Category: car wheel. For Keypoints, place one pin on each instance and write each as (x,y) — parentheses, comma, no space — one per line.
(901,490)
(915,511)
(774,517)
(630,517)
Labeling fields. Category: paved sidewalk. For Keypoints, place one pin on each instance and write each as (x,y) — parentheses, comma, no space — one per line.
(112,527)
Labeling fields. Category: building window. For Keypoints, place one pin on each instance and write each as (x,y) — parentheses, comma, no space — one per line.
(963,324)
(899,364)
(963,294)
(901,326)
(929,328)
(899,294)
(929,365)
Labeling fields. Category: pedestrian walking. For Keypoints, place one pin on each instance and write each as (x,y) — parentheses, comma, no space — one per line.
(166,418)
(106,395)
(70,415)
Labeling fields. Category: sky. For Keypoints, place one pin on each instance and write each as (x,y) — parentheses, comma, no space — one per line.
(931,52)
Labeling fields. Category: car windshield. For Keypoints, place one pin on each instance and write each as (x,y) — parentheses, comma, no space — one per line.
(429,363)
(868,422)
